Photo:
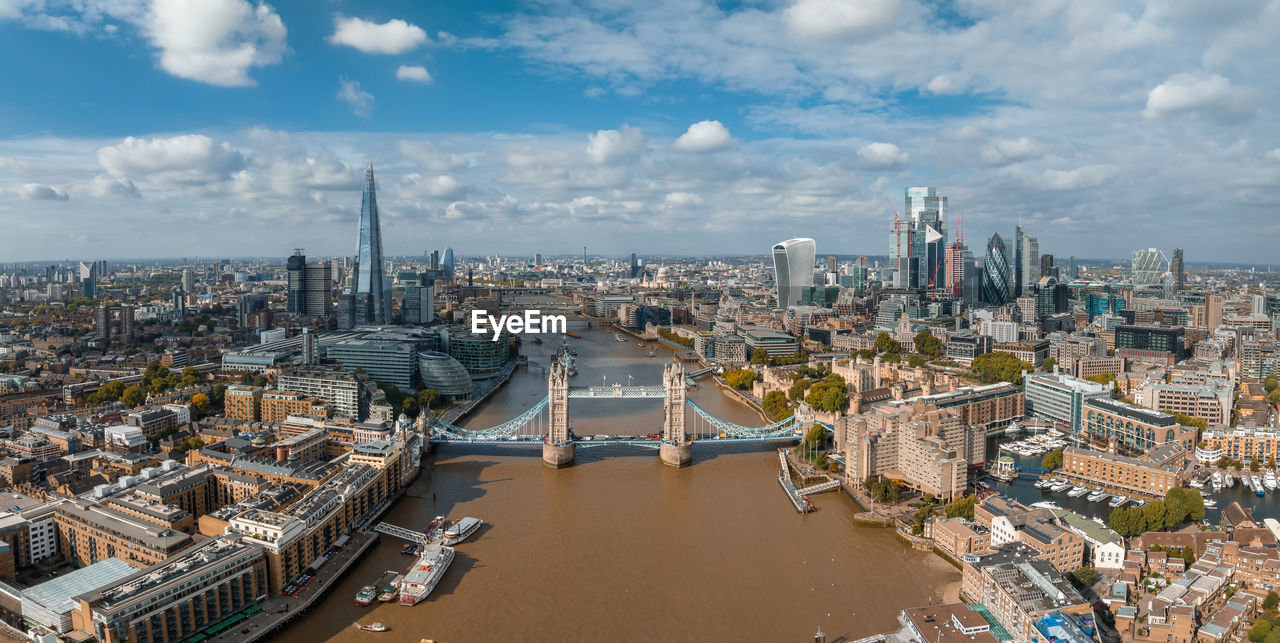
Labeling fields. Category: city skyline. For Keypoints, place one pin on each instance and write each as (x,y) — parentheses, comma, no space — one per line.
(708,127)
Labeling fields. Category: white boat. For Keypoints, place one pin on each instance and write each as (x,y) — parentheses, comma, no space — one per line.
(1217,479)
(1118,501)
(1077,491)
(1256,483)
(1044,483)
(1061,486)
(462,530)
(619,337)
(1137,502)
(1210,503)
(1195,484)
(1097,495)
(1244,480)
(1228,480)
(1270,481)
(425,574)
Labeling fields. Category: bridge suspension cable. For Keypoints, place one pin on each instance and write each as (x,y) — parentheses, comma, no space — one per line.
(782,428)
(520,426)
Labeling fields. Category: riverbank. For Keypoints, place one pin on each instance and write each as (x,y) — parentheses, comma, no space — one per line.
(456,414)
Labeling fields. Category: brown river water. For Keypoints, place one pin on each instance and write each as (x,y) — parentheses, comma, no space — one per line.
(621,547)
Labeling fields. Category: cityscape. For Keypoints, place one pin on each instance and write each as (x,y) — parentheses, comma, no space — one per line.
(651,334)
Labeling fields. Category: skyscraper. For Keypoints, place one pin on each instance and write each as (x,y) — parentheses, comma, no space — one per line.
(102,320)
(1147,266)
(997,277)
(917,244)
(1175,266)
(832,266)
(308,286)
(367,281)
(1026,263)
(188,280)
(793,268)
(89,279)
(447,262)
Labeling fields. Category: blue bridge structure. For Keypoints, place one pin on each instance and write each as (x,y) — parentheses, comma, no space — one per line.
(546,423)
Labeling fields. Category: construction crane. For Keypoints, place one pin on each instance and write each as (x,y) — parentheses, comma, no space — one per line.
(897,238)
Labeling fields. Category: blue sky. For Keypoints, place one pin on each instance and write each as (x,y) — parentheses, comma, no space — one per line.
(132,127)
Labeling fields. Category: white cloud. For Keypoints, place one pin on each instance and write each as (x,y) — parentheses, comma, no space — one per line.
(1211,93)
(704,136)
(360,101)
(104,186)
(37,192)
(414,73)
(1088,176)
(1008,151)
(883,156)
(944,84)
(188,158)
(841,19)
(440,186)
(615,145)
(391,37)
(215,41)
(682,199)
(1272,155)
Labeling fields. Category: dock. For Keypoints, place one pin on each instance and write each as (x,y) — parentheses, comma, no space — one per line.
(784,478)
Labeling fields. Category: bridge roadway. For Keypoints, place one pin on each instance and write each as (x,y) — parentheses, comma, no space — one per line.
(618,391)
(593,441)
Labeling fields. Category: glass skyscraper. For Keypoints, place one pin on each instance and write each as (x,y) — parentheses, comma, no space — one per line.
(1147,267)
(368,282)
(997,273)
(793,268)
(917,247)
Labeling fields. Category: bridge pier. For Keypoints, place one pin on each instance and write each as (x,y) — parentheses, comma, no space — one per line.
(557,456)
(676,455)
(676,450)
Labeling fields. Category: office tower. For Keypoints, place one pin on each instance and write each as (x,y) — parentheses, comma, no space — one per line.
(832,266)
(1179,278)
(863,261)
(188,280)
(1029,257)
(296,286)
(102,323)
(959,281)
(335,270)
(248,305)
(346,311)
(433,259)
(1047,269)
(793,269)
(368,282)
(1212,312)
(537,258)
(88,279)
(928,215)
(418,306)
(447,262)
(179,302)
(126,324)
(1147,266)
(1073,271)
(310,348)
(996,273)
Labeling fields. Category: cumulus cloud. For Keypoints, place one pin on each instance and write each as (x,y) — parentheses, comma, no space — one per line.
(414,74)
(682,199)
(1005,152)
(883,156)
(188,158)
(391,37)
(360,101)
(440,186)
(1088,176)
(38,192)
(944,84)
(841,19)
(1197,92)
(215,41)
(615,145)
(104,186)
(1272,155)
(704,136)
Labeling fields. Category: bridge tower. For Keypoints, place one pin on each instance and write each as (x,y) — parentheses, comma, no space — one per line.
(557,451)
(675,450)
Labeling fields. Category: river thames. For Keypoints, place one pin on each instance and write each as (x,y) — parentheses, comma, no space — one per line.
(619,546)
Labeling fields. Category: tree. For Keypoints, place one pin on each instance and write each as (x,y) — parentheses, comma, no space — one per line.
(1051,460)
(1048,364)
(132,397)
(1261,628)
(928,345)
(1271,383)
(759,356)
(891,358)
(259,380)
(776,405)
(1274,396)
(741,378)
(887,344)
(916,361)
(190,376)
(828,395)
(1271,601)
(1084,576)
(200,402)
(1000,367)
(429,398)
(796,392)
(1187,420)
(962,507)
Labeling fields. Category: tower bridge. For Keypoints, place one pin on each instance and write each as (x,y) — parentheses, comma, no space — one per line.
(546,423)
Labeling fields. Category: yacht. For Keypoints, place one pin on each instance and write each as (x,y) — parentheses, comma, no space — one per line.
(619,337)
(1062,485)
(1228,480)
(1097,495)
(1210,503)
(369,593)
(1270,480)
(425,574)
(1217,480)
(1195,483)
(462,530)
(1137,502)
(1077,491)
(1244,480)
(1256,483)
(1118,501)
(1044,483)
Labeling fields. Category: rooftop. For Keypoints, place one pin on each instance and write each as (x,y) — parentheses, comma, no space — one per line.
(57,594)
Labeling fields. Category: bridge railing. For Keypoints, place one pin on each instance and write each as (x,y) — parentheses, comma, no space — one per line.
(508,428)
(785,427)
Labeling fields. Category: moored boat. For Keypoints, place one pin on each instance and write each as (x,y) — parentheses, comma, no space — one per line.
(425,574)
(1097,495)
(1077,491)
(389,591)
(373,627)
(366,595)
(462,530)
(1118,501)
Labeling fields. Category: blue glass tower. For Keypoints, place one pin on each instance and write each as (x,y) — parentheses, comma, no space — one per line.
(367,282)
(997,273)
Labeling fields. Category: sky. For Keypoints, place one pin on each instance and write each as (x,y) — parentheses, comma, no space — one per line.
(190,128)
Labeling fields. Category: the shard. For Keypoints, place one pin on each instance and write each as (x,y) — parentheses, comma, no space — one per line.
(370,299)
